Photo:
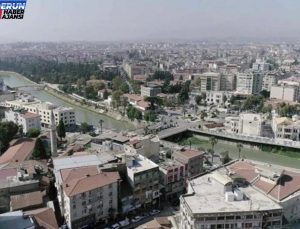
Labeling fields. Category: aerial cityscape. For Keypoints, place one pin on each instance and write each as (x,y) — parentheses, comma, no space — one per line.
(179,121)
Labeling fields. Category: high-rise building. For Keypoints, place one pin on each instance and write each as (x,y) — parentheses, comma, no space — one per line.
(249,83)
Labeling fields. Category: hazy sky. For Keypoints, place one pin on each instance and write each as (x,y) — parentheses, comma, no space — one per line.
(105,20)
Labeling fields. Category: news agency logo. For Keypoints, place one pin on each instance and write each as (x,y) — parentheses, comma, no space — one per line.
(12,9)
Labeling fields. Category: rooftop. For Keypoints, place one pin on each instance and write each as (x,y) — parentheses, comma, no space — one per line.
(19,151)
(209,196)
(90,182)
(140,164)
(44,217)
(190,153)
(26,200)
(15,220)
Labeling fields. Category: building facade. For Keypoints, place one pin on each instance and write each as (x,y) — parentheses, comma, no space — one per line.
(249,83)
(25,119)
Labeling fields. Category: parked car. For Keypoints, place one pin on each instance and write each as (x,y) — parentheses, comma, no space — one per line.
(136,219)
(115,226)
(124,223)
(154,212)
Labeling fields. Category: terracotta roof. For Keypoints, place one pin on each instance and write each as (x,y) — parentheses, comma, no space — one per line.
(44,217)
(90,182)
(79,172)
(30,115)
(19,152)
(157,223)
(143,104)
(244,169)
(134,97)
(287,184)
(26,200)
(5,173)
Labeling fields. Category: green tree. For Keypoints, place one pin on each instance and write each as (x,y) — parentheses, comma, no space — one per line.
(116,97)
(39,151)
(33,133)
(198,99)
(124,87)
(116,83)
(85,127)
(8,131)
(150,116)
(61,130)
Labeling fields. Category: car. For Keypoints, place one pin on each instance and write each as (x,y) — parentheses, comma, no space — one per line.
(154,212)
(124,223)
(115,226)
(136,219)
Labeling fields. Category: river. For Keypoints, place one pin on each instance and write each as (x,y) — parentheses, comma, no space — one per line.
(82,115)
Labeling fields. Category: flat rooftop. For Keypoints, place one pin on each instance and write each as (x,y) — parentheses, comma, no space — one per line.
(209,196)
(141,164)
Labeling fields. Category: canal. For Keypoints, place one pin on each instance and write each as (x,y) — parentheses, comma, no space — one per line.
(82,115)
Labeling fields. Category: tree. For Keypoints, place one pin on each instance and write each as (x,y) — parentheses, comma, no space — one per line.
(85,127)
(213,141)
(183,95)
(239,147)
(101,122)
(39,151)
(116,83)
(265,94)
(225,157)
(33,133)
(61,130)
(8,131)
(198,99)
(105,94)
(150,116)
(124,87)
(154,100)
(116,97)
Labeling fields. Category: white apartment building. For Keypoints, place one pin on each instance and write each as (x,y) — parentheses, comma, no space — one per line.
(209,81)
(249,83)
(260,65)
(288,128)
(43,109)
(269,80)
(143,177)
(246,123)
(150,90)
(148,146)
(285,92)
(218,200)
(89,198)
(25,119)
(217,97)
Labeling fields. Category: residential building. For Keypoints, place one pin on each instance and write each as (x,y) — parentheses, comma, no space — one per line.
(249,83)
(246,123)
(137,101)
(285,92)
(217,97)
(150,90)
(148,146)
(26,201)
(281,185)
(260,65)
(143,177)
(172,177)
(209,81)
(192,161)
(89,196)
(44,110)
(157,223)
(25,119)
(5,94)
(228,82)
(219,200)
(287,128)
(269,80)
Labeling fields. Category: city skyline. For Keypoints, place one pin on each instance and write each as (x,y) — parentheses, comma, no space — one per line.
(153,20)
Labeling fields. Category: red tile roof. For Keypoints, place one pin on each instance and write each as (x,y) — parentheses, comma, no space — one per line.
(19,152)
(26,200)
(30,115)
(190,153)
(287,184)
(75,173)
(44,217)
(91,182)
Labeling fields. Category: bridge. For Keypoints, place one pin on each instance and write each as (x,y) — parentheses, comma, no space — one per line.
(31,86)
(229,136)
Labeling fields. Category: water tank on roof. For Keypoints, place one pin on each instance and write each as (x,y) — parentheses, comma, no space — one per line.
(239,195)
(229,196)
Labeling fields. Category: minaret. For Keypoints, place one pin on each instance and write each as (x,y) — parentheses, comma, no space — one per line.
(53,138)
